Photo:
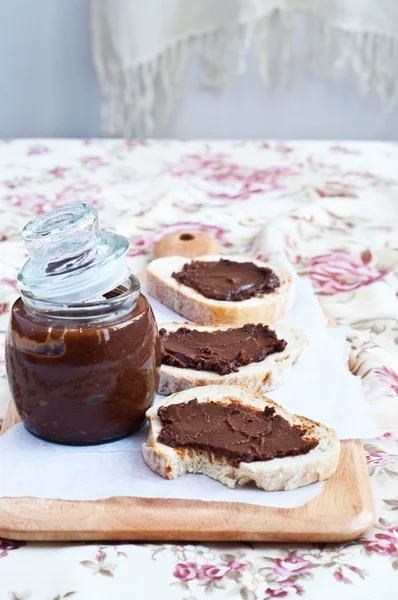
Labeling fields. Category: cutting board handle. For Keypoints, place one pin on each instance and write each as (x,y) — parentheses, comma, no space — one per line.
(187,243)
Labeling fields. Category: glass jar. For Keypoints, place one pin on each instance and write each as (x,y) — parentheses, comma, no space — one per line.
(82,370)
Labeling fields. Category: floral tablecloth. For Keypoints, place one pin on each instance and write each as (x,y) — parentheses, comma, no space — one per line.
(331,211)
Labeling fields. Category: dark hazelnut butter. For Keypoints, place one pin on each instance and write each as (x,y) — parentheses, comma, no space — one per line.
(227,280)
(233,431)
(222,351)
(82,351)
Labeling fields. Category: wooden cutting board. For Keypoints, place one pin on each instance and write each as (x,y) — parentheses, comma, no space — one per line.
(343,511)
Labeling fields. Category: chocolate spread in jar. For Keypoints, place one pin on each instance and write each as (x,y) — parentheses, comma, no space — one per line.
(236,432)
(82,346)
(80,382)
(222,351)
(227,279)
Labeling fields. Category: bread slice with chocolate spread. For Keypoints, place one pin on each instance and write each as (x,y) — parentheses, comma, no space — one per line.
(209,368)
(231,295)
(237,436)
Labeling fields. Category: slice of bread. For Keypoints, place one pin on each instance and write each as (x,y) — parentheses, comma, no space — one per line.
(285,473)
(189,303)
(259,377)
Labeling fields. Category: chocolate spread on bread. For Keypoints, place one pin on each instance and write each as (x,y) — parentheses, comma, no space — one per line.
(221,351)
(227,279)
(234,431)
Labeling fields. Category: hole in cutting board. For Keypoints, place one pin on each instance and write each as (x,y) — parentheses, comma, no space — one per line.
(186,237)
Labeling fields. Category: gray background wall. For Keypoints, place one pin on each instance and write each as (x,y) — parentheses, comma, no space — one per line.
(48,88)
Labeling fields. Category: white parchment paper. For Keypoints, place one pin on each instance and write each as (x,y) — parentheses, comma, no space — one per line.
(320,387)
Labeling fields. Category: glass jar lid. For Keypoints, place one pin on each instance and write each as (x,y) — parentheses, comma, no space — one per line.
(71,259)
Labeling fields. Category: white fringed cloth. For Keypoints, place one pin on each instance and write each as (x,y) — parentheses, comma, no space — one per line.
(141,48)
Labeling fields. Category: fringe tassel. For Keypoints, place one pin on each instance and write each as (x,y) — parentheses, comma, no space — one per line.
(373,57)
(136,99)
(224,54)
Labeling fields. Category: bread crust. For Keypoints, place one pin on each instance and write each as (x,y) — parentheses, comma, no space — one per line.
(277,474)
(195,307)
(260,377)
